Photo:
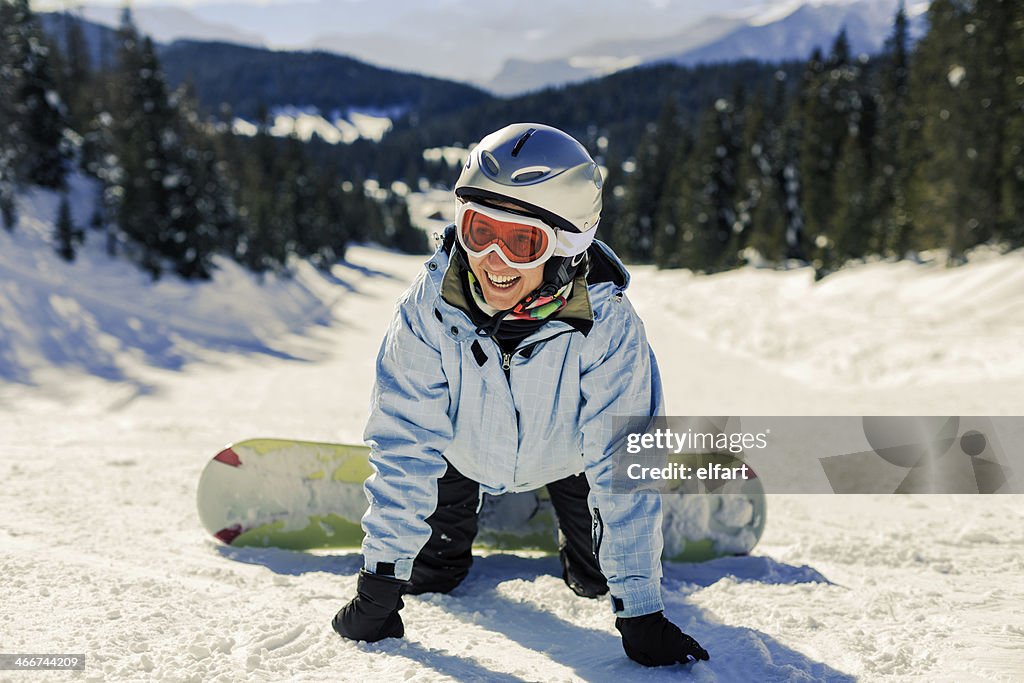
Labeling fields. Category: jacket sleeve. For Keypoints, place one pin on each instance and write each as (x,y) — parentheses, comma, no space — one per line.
(408,431)
(622,381)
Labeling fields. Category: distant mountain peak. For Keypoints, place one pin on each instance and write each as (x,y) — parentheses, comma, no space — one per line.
(769,32)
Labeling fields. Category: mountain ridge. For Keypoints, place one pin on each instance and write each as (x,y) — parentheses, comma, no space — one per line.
(253,78)
(780,35)
(499,48)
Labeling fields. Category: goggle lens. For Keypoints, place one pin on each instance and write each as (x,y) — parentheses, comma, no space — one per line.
(520,243)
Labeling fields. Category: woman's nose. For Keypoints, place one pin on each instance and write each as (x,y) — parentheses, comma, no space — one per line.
(495,262)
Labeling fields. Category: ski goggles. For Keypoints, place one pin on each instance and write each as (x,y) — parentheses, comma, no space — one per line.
(522,242)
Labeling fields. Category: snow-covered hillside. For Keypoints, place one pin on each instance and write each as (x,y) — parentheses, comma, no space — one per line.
(305,123)
(103,317)
(887,326)
(114,393)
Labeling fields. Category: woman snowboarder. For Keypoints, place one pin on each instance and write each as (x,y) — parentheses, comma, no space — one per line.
(503,369)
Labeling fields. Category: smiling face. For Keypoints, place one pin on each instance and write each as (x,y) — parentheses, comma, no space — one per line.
(503,286)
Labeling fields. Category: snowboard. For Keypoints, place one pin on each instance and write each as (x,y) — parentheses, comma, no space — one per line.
(304,495)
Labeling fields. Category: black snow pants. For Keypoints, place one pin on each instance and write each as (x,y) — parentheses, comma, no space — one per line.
(445,560)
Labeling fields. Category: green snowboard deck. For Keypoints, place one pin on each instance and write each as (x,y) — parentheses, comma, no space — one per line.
(304,495)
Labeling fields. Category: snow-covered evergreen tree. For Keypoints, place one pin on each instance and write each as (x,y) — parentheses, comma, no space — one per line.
(8,209)
(761,206)
(75,75)
(707,215)
(400,229)
(831,103)
(855,209)
(657,151)
(162,190)
(673,147)
(41,152)
(1013,159)
(8,120)
(895,147)
(66,234)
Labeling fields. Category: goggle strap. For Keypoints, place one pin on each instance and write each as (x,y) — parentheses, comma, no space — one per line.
(573,243)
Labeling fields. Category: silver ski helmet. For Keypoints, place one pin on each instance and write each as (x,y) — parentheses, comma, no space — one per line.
(539,167)
(545,171)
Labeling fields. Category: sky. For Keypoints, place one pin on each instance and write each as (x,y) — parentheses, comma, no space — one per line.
(62,4)
(51,5)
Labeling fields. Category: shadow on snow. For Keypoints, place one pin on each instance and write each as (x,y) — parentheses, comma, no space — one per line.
(737,653)
(58,325)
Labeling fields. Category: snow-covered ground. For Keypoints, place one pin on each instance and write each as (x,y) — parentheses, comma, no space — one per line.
(114,393)
(304,123)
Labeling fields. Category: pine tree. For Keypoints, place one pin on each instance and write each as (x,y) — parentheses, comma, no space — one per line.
(8,178)
(739,212)
(947,192)
(8,210)
(830,98)
(265,240)
(654,160)
(855,209)
(667,233)
(97,222)
(9,128)
(158,205)
(333,233)
(100,159)
(199,193)
(706,217)
(895,150)
(41,152)
(135,191)
(67,236)
(613,192)
(751,166)
(1012,214)
(75,77)
(402,234)
(766,155)
(856,228)
(675,149)
(296,181)
(990,61)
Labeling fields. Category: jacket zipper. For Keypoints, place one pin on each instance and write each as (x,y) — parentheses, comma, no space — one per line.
(506,367)
(506,364)
(506,358)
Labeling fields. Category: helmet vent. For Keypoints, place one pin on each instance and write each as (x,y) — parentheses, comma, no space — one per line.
(530,173)
(522,141)
(489,163)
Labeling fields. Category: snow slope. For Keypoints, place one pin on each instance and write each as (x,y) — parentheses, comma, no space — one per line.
(104,430)
(102,316)
(887,325)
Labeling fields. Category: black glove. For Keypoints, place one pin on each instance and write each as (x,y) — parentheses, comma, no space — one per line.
(373,614)
(653,640)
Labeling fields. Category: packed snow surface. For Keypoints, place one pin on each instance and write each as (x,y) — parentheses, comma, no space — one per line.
(115,392)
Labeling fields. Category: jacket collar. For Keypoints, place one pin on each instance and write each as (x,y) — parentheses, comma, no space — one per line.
(577,312)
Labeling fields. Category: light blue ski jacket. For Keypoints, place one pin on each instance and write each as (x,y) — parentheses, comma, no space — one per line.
(437,397)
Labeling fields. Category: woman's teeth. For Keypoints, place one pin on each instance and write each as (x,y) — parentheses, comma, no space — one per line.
(502,281)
